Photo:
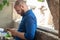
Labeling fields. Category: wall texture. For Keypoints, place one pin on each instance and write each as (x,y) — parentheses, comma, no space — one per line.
(41,35)
(6,16)
(54,7)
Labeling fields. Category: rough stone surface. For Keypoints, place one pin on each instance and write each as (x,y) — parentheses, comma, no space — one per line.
(6,16)
(41,35)
(54,8)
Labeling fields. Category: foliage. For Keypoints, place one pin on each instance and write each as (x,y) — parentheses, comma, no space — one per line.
(4,2)
(40,0)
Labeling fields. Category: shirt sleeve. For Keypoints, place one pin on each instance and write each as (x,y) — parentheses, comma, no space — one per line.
(30,28)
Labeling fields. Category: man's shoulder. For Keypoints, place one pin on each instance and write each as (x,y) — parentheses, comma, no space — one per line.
(30,16)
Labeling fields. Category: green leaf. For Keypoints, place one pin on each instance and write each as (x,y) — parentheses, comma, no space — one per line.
(8,35)
(7,3)
(40,0)
(1,6)
(4,2)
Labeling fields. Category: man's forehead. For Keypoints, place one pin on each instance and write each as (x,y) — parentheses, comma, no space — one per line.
(16,6)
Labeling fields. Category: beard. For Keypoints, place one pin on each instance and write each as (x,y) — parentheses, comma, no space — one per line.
(22,12)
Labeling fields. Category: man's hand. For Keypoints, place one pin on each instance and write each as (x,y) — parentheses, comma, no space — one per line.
(16,33)
(13,31)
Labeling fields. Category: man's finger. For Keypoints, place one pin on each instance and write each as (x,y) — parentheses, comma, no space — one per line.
(8,29)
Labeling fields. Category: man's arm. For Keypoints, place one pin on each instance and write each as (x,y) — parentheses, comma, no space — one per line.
(20,35)
(16,33)
(30,30)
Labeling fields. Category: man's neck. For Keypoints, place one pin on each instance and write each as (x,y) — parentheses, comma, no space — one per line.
(26,10)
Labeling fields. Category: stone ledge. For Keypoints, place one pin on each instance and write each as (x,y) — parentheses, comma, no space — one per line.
(41,35)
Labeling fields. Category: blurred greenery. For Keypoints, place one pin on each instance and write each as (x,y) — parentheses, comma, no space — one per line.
(4,2)
(7,36)
(1,6)
(40,0)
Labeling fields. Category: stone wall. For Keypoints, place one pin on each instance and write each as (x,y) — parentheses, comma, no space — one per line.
(42,35)
(54,8)
(6,16)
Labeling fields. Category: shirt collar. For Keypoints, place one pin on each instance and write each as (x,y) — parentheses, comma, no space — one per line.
(27,13)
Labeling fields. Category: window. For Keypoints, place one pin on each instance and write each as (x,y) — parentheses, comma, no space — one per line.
(43,14)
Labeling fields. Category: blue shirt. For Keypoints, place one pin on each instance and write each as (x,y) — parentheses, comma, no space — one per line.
(28,25)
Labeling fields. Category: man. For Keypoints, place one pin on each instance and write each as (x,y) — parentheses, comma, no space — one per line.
(28,25)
